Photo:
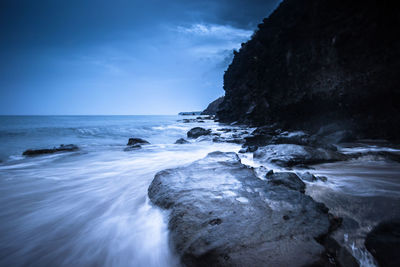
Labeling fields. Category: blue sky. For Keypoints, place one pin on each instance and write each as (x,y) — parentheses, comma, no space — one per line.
(119,57)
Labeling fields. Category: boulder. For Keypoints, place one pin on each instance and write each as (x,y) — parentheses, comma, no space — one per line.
(287,155)
(288,179)
(61,148)
(136,141)
(384,243)
(198,131)
(222,214)
(181,141)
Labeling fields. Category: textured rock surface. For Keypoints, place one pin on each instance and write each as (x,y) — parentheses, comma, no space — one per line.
(197,132)
(223,215)
(288,179)
(314,62)
(287,155)
(137,141)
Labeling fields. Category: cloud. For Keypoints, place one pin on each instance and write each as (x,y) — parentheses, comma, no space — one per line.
(211,41)
(216,31)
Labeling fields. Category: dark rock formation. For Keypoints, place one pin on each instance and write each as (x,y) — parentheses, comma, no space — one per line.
(61,148)
(288,155)
(309,177)
(136,141)
(181,141)
(384,243)
(222,214)
(198,131)
(212,108)
(288,179)
(314,62)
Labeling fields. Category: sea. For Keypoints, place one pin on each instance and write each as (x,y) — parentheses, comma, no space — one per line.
(90,207)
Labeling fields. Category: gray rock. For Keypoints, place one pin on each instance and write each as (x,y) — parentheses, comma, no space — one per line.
(181,141)
(198,131)
(288,179)
(61,148)
(288,155)
(136,141)
(222,214)
(306,176)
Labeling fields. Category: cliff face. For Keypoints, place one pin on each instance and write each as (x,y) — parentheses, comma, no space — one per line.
(319,62)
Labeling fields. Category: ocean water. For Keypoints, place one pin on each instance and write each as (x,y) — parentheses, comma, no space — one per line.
(89,207)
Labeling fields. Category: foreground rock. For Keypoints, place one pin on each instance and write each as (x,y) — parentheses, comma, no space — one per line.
(288,155)
(61,148)
(384,243)
(222,214)
(197,132)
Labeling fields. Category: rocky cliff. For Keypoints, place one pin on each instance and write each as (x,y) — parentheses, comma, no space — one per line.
(317,62)
(212,108)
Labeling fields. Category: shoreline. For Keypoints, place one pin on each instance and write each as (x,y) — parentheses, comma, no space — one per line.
(270,158)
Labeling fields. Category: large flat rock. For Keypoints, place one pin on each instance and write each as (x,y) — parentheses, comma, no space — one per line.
(222,214)
(288,155)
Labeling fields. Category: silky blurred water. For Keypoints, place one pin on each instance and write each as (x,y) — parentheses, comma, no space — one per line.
(90,207)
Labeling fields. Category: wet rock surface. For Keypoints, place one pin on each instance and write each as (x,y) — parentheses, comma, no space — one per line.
(222,214)
(383,242)
(181,141)
(61,148)
(288,179)
(309,177)
(137,141)
(288,155)
(197,132)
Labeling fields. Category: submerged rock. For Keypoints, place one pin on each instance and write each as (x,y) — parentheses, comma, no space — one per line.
(288,155)
(133,147)
(198,131)
(384,243)
(61,148)
(222,214)
(136,141)
(181,141)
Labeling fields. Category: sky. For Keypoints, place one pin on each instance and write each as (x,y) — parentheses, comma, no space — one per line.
(119,57)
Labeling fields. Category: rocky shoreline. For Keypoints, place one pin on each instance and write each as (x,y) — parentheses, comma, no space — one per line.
(225,213)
